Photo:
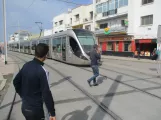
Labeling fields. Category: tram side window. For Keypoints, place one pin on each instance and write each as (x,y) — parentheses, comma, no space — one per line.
(33,46)
(21,46)
(54,44)
(63,44)
(58,45)
(28,45)
(75,47)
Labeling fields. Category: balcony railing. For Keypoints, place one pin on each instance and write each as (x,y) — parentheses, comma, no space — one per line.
(111,12)
(88,19)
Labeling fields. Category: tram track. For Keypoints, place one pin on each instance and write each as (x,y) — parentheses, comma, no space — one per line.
(14,98)
(120,82)
(81,89)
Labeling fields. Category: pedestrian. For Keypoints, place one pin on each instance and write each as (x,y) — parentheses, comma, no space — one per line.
(31,83)
(95,56)
(138,49)
(155,54)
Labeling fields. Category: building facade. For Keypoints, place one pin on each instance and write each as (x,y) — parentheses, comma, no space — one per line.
(112,27)
(121,26)
(144,18)
(80,17)
(48,32)
(19,36)
(60,22)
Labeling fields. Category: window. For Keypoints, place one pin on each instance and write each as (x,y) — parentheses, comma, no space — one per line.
(86,39)
(56,23)
(98,1)
(33,45)
(54,44)
(99,8)
(127,46)
(110,46)
(111,4)
(75,47)
(102,26)
(147,20)
(91,15)
(58,45)
(122,22)
(147,1)
(123,3)
(105,7)
(116,3)
(70,20)
(61,22)
(77,17)
(88,27)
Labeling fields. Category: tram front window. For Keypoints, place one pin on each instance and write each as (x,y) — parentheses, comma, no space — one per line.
(86,39)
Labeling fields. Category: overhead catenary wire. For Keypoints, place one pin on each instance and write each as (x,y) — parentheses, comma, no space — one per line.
(31,4)
(69,2)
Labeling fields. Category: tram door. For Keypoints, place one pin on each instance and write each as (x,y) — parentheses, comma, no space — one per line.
(47,42)
(64,48)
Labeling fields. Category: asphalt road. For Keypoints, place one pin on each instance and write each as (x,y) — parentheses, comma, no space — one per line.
(128,94)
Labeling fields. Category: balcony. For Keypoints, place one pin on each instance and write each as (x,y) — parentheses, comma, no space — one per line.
(87,20)
(111,12)
(113,30)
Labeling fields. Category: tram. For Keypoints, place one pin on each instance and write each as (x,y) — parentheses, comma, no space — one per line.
(71,46)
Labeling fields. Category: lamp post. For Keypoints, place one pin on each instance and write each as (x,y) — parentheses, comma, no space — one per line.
(4,20)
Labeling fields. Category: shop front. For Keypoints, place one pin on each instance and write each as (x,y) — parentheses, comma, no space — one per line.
(146,47)
(118,45)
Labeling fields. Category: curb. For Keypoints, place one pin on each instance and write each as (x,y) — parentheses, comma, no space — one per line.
(3,83)
(141,60)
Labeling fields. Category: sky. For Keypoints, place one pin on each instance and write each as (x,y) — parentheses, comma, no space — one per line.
(26,12)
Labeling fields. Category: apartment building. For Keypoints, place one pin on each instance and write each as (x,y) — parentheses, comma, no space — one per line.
(80,17)
(121,26)
(112,27)
(144,18)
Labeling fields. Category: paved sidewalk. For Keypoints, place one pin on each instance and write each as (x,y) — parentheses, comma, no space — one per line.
(6,87)
(128,59)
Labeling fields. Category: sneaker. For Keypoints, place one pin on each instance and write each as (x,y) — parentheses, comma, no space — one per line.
(89,83)
(95,84)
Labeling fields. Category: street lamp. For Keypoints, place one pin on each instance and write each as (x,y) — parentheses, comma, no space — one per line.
(4,20)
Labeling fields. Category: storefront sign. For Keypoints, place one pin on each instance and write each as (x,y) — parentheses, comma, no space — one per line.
(112,30)
(107,31)
(145,41)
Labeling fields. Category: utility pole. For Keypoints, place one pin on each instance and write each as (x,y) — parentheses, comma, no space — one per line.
(19,33)
(4,20)
(94,12)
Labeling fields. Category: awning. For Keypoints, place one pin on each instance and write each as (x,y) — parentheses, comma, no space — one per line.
(141,41)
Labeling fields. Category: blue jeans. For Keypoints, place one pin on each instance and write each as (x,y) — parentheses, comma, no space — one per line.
(95,73)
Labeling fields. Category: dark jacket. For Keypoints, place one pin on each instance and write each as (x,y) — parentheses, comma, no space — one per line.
(94,56)
(31,83)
